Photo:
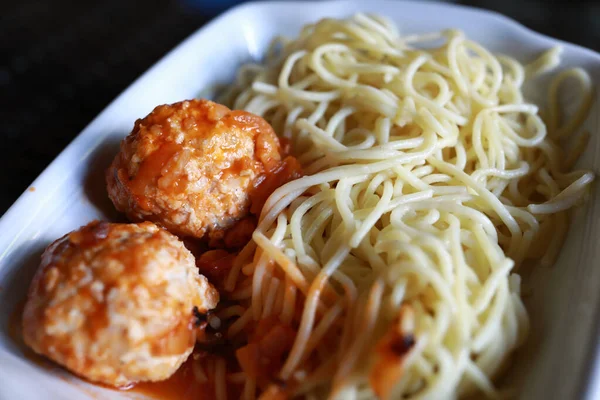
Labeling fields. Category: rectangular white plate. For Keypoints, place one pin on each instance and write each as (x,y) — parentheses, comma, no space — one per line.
(558,362)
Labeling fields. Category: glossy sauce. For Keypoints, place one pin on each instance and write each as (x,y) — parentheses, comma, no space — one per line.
(150,170)
(90,235)
(288,170)
(181,386)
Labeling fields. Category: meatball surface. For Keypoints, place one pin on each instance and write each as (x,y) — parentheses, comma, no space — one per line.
(114,303)
(191,167)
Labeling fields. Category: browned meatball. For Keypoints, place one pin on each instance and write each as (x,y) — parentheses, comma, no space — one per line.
(114,303)
(191,167)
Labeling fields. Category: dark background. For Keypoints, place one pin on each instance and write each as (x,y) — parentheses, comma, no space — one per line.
(62,62)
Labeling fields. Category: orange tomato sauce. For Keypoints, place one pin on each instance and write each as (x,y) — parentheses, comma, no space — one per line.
(180,386)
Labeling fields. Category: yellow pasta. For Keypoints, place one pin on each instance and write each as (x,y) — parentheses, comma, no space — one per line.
(430,179)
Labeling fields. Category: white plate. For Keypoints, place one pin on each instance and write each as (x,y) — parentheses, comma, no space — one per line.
(558,362)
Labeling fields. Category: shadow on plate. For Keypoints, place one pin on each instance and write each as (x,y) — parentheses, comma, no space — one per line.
(13,296)
(95,182)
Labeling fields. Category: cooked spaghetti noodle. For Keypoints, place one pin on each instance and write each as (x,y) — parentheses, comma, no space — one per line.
(429,180)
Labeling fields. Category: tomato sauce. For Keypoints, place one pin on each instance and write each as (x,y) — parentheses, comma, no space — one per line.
(151,169)
(180,386)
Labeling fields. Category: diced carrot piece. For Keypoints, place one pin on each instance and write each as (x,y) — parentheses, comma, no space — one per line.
(274,392)
(263,356)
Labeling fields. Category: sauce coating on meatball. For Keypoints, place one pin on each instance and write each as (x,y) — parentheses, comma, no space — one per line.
(191,167)
(115,303)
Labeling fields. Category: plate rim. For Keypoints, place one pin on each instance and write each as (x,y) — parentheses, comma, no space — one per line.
(589,381)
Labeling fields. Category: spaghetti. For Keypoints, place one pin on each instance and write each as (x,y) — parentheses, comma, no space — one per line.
(429,180)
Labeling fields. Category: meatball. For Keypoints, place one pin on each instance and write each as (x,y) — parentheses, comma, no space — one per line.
(115,303)
(192,166)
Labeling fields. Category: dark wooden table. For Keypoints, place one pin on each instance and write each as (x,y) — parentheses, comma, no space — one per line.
(62,62)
